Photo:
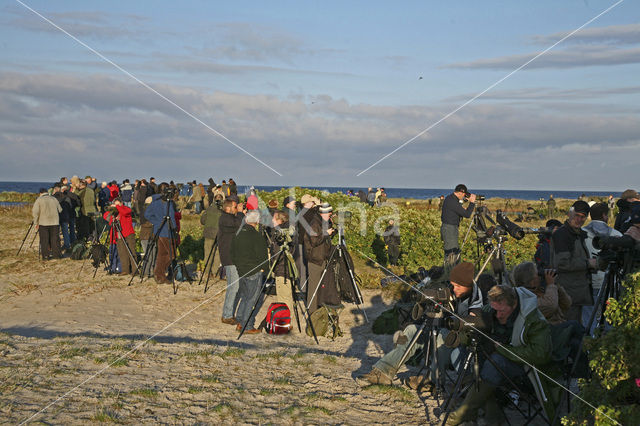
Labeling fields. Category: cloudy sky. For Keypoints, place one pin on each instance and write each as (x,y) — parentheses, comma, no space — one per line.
(316,93)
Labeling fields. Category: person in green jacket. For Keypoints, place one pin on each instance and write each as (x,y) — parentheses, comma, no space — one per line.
(520,337)
(250,256)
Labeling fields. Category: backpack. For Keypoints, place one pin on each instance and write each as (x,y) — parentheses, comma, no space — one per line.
(98,254)
(325,321)
(79,251)
(278,320)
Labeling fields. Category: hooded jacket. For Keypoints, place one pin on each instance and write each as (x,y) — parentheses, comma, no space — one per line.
(571,259)
(209,220)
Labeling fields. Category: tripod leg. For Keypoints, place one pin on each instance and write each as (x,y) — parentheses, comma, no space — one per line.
(206,264)
(25,238)
(465,368)
(215,248)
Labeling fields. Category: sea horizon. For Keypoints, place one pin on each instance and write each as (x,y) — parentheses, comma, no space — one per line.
(392,192)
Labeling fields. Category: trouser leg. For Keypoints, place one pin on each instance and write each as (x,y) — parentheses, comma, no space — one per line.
(44,242)
(390,362)
(54,241)
(231,296)
(315,272)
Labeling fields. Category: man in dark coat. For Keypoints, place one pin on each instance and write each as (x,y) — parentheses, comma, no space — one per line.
(392,241)
(228,224)
(317,248)
(452,214)
(250,257)
(627,202)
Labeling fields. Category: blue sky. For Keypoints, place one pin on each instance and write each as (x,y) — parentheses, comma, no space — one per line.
(321,91)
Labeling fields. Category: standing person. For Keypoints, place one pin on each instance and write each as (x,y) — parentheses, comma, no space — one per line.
(126,193)
(392,241)
(88,211)
(155,214)
(225,189)
(440,202)
(74,201)
(371,197)
(611,203)
(65,215)
(146,234)
(210,191)
(302,224)
(317,248)
(452,214)
(46,218)
(596,228)
(233,188)
(250,257)
(228,224)
(153,186)
(544,247)
(551,206)
(197,197)
(209,220)
(628,200)
(572,260)
(128,260)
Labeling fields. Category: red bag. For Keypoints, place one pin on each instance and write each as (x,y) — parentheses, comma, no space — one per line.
(278,320)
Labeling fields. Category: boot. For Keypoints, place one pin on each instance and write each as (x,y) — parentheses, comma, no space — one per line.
(469,409)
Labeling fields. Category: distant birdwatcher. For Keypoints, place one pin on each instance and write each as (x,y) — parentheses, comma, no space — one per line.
(452,214)
(551,206)
(46,211)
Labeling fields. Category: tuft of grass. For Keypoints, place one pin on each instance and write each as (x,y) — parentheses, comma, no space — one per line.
(297,355)
(105,416)
(267,392)
(220,407)
(270,356)
(314,409)
(113,361)
(73,352)
(195,389)
(284,380)
(146,392)
(338,399)
(395,392)
(232,353)
(313,396)
(330,359)
(212,378)
(198,354)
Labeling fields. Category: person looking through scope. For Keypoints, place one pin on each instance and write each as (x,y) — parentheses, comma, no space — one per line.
(464,298)
(519,336)
(452,214)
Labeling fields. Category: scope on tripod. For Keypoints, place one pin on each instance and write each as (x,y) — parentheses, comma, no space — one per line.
(626,242)
(514,230)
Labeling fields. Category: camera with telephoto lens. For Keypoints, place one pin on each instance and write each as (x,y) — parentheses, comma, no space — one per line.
(624,251)
(458,326)
(512,229)
(169,193)
(282,236)
(430,304)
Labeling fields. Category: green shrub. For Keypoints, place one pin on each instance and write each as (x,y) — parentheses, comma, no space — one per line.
(615,385)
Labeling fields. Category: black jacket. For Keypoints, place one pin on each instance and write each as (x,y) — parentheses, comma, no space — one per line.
(228,225)
(317,247)
(249,251)
(624,211)
(453,212)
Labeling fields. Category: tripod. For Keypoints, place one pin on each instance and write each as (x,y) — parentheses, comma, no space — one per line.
(118,228)
(343,257)
(498,264)
(432,322)
(25,238)
(210,258)
(166,221)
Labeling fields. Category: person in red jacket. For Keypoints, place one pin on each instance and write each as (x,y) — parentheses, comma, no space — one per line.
(114,191)
(122,214)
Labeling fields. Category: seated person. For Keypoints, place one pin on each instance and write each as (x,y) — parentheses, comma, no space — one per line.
(519,336)
(553,301)
(467,300)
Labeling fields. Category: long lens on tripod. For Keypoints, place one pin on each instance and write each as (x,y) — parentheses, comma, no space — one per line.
(514,230)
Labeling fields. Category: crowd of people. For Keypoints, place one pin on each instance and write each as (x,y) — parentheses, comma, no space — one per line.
(292,241)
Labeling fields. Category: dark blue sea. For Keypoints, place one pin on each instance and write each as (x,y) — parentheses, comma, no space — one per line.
(416,193)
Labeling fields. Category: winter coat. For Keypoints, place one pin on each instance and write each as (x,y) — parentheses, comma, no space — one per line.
(228,225)
(155,214)
(67,209)
(233,188)
(209,220)
(553,303)
(453,212)
(88,199)
(249,251)
(114,192)
(392,236)
(624,211)
(597,228)
(317,245)
(571,259)
(126,192)
(46,211)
